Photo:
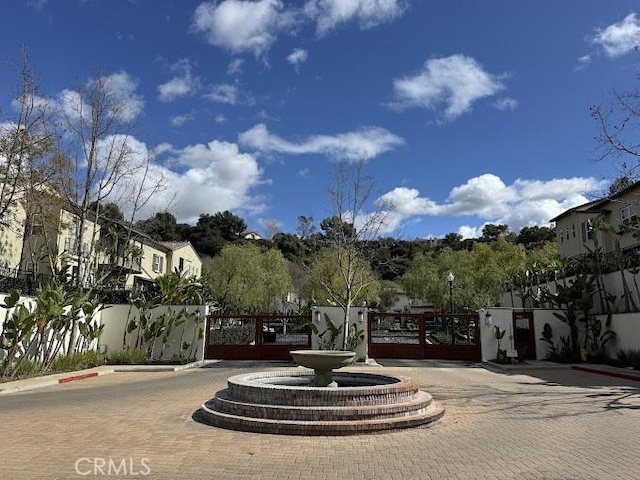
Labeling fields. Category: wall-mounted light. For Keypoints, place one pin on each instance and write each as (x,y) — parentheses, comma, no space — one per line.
(317,316)
(488,320)
(361,316)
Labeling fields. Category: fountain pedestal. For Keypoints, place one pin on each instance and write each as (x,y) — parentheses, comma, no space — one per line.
(323,362)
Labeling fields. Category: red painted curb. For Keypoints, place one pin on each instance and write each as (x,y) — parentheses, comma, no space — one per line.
(77,377)
(607,372)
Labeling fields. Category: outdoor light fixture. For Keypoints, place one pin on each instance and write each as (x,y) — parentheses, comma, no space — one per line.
(450,278)
(361,316)
(317,316)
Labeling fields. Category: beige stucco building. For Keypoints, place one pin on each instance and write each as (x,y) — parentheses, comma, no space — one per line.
(608,223)
(47,241)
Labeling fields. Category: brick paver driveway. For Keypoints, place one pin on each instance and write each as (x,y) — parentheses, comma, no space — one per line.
(551,424)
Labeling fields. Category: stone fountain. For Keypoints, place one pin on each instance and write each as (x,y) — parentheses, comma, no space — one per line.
(323,362)
(321,402)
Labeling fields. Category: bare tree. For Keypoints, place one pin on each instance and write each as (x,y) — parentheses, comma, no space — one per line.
(618,124)
(351,195)
(29,160)
(104,164)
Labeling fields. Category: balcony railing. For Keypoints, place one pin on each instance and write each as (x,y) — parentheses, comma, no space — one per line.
(124,263)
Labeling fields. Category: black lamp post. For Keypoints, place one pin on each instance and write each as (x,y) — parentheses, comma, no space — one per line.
(450,279)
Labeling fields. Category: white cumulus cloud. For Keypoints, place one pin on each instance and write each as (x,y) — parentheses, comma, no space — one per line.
(506,103)
(455,82)
(363,144)
(330,14)
(179,120)
(241,26)
(525,202)
(223,93)
(123,101)
(235,66)
(297,57)
(253,26)
(183,84)
(122,88)
(203,178)
(619,38)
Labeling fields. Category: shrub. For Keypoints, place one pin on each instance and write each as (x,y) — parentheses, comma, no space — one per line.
(27,368)
(630,358)
(128,357)
(76,361)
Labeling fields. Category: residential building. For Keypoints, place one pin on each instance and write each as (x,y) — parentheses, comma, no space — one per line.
(47,242)
(183,258)
(250,235)
(609,224)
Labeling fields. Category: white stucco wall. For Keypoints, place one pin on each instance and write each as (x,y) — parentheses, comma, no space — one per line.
(336,314)
(503,317)
(116,318)
(627,328)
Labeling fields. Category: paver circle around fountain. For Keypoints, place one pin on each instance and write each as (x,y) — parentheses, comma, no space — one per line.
(282,402)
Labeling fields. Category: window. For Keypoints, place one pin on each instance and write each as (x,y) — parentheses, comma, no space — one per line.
(628,215)
(32,267)
(71,245)
(587,231)
(573,230)
(157,263)
(181,264)
(567,232)
(37,224)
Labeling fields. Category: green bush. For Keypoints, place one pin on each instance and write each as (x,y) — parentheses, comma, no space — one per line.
(27,368)
(134,356)
(76,361)
(630,358)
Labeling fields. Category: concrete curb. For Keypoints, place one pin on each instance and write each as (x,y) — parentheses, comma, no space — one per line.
(162,368)
(50,380)
(522,368)
(58,378)
(631,375)
(596,369)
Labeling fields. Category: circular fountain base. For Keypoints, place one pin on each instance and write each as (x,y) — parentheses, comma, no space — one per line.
(284,403)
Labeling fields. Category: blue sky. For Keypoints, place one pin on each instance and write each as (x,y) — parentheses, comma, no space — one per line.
(465,112)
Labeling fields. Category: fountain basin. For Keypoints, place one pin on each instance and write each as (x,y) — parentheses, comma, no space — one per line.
(323,362)
(323,359)
(282,402)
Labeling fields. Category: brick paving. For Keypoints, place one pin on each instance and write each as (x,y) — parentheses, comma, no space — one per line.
(546,424)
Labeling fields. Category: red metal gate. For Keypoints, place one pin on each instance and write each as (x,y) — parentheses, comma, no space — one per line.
(424,335)
(256,337)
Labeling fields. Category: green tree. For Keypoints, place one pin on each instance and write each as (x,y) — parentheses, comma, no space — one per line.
(108,211)
(480,274)
(162,227)
(341,277)
(205,236)
(452,240)
(535,236)
(491,232)
(229,225)
(291,246)
(245,279)
(336,229)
